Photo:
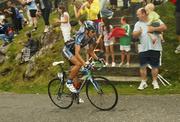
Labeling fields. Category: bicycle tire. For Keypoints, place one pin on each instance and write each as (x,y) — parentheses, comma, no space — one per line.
(106,97)
(59,94)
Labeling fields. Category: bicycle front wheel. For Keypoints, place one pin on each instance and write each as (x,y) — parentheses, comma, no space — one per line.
(59,94)
(101,93)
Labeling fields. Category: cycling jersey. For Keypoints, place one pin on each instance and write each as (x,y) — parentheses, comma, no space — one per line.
(80,39)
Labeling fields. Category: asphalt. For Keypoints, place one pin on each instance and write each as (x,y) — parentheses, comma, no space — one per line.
(136,108)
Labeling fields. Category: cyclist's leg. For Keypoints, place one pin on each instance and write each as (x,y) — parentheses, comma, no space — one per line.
(76,65)
(75,68)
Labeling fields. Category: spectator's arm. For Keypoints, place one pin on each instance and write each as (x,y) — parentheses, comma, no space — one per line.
(161,28)
(137,33)
(81,11)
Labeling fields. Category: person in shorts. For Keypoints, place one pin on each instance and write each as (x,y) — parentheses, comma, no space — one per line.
(149,53)
(72,51)
(125,42)
(108,43)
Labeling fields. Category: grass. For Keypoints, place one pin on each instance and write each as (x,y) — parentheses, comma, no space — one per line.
(11,73)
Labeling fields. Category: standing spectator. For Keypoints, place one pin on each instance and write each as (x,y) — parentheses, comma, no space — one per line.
(91,8)
(125,42)
(135,5)
(105,13)
(177,16)
(45,7)
(32,7)
(64,21)
(148,53)
(108,43)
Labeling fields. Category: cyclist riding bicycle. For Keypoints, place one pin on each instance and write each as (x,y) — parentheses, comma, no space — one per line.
(72,50)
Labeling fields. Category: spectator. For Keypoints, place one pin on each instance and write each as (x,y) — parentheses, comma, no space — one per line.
(105,13)
(64,21)
(177,16)
(108,43)
(2,16)
(91,8)
(148,53)
(45,7)
(125,42)
(31,47)
(135,5)
(15,15)
(6,32)
(32,7)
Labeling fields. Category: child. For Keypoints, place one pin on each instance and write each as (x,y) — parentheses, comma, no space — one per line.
(109,48)
(65,24)
(153,19)
(31,47)
(125,42)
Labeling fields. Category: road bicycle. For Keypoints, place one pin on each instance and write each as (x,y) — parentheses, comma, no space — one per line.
(99,90)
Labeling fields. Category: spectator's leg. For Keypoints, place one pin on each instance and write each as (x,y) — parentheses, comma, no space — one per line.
(45,14)
(125,4)
(122,56)
(107,54)
(143,73)
(128,57)
(154,73)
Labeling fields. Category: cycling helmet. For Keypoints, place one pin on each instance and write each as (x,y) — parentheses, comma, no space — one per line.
(89,25)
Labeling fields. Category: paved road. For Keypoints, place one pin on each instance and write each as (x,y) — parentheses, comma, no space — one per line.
(38,108)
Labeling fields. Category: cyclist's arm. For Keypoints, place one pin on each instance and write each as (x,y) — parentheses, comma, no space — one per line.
(77,54)
(91,52)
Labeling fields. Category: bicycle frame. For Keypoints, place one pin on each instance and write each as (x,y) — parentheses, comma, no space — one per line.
(89,77)
(86,78)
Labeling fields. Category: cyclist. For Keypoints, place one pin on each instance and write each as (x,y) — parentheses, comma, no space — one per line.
(72,50)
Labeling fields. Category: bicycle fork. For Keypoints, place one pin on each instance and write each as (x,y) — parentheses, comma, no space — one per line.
(96,85)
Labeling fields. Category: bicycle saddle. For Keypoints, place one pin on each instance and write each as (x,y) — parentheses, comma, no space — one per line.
(57,63)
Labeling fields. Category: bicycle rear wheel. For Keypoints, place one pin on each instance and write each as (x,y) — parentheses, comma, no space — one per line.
(59,94)
(104,96)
